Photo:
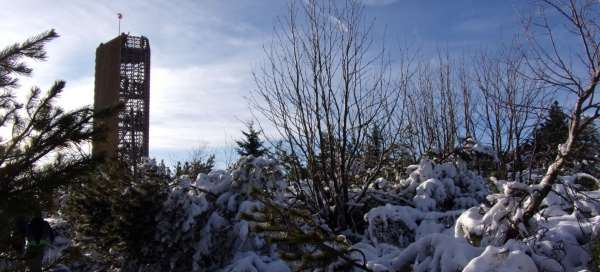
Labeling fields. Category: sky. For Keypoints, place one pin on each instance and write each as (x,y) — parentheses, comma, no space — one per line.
(204,51)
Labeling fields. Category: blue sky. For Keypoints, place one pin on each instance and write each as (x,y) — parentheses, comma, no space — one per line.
(203,52)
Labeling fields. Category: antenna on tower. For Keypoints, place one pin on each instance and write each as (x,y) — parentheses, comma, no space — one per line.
(119,17)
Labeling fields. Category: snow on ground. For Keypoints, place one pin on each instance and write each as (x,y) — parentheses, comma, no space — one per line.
(434,237)
(443,218)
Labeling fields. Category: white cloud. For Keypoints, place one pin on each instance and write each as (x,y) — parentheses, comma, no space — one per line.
(198,104)
(202,54)
(378,2)
(341,25)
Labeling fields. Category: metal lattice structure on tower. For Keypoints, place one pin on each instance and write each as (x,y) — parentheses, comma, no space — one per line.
(134,93)
(123,78)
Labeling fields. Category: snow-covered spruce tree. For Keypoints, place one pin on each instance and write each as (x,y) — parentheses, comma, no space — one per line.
(433,196)
(251,145)
(114,215)
(36,157)
(201,226)
(303,239)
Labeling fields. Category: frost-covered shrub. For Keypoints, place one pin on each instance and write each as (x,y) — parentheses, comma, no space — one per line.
(433,252)
(595,250)
(250,262)
(443,187)
(201,227)
(555,238)
(246,219)
(400,225)
(420,235)
(437,194)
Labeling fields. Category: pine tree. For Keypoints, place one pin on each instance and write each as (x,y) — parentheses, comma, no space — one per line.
(554,130)
(550,134)
(294,169)
(251,145)
(374,150)
(382,159)
(114,215)
(196,166)
(37,159)
(199,162)
(586,153)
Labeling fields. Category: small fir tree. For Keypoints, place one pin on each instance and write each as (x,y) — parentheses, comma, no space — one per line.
(251,145)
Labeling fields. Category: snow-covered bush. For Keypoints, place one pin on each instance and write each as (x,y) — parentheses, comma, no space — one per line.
(401,225)
(423,237)
(440,218)
(505,259)
(442,187)
(555,239)
(201,226)
(438,193)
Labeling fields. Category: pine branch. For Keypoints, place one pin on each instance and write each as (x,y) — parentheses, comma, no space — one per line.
(10,57)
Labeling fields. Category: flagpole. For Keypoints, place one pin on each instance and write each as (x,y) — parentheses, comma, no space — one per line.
(119,17)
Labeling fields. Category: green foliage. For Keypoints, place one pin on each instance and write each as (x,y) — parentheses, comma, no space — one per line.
(251,145)
(294,170)
(303,240)
(12,57)
(382,159)
(114,214)
(40,155)
(554,131)
(199,163)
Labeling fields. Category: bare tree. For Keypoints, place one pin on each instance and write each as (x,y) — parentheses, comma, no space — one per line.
(469,101)
(323,86)
(574,73)
(511,104)
(438,117)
